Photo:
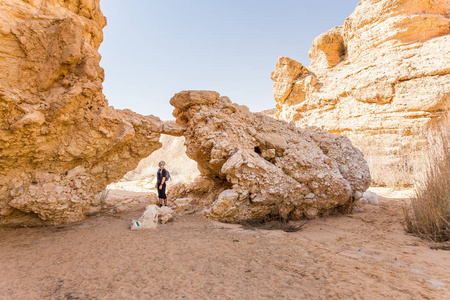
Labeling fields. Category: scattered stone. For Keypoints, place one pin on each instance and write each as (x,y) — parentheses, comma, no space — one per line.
(166,214)
(185,205)
(357,209)
(369,198)
(437,284)
(152,216)
(149,220)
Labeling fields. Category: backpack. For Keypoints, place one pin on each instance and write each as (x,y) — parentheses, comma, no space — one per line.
(168,175)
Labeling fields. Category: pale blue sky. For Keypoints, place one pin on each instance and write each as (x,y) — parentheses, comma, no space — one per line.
(154,49)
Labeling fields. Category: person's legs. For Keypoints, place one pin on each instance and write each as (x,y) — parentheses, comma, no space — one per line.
(161,195)
(163,192)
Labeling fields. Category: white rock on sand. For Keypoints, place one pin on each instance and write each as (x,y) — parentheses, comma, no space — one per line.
(152,216)
(369,198)
(166,214)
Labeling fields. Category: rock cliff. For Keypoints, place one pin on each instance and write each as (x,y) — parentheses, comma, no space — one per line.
(255,167)
(60,142)
(379,79)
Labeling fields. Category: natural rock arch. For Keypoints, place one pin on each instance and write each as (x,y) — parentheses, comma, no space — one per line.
(61,144)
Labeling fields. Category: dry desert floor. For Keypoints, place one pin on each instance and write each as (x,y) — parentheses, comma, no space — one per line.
(365,255)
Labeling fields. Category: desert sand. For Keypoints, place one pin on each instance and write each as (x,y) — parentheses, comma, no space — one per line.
(365,255)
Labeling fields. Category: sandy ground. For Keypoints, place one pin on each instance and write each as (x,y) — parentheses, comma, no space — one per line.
(364,255)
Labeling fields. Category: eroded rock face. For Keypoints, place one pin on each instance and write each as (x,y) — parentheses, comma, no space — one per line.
(379,79)
(254,166)
(60,143)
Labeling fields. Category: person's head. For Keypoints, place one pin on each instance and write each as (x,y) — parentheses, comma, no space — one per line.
(162,164)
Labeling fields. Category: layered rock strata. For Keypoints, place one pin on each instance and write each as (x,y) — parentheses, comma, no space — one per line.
(60,143)
(254,167)
(380,78)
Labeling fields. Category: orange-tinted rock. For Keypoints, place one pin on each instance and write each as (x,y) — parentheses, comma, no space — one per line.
(379,79)
(60,142)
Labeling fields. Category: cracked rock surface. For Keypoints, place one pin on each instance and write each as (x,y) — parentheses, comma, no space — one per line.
(255,167)
(60,142)
(380,78)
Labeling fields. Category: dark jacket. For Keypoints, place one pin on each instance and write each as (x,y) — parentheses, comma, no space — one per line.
(160,175)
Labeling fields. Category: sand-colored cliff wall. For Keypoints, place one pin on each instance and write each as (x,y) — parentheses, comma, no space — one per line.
(380,78)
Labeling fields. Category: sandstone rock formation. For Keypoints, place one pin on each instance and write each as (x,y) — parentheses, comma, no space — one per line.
(60,143)
(255,167)
(379,79)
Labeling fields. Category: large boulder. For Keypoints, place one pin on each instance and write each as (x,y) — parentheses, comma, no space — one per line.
(380,79)
(254,167)
(60,142)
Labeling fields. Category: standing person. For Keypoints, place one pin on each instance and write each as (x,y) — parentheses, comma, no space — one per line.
(161,183)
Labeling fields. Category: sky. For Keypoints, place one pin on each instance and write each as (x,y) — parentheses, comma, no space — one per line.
(155,49)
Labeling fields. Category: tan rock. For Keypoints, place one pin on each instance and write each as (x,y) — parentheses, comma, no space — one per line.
(185,205)
(328,48)
(166,214)
(148,220)
(60,143)
(225,205)
(172,128)
(284,74)
(239,182)
(380,78)
(369,198)
(152,216)
(188,98)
